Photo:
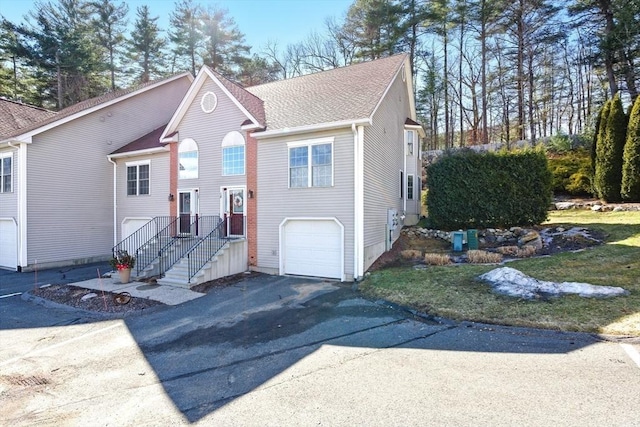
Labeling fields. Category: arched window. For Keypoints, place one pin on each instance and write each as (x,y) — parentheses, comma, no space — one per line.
(233,154)
(188,159)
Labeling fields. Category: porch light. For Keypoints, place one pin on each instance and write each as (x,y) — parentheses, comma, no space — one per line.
(171,197)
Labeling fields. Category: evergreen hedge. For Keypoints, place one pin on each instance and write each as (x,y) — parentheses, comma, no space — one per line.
(609,150)
(630,189)
(484,190)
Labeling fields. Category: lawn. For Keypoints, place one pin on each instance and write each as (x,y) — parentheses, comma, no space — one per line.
(454,291)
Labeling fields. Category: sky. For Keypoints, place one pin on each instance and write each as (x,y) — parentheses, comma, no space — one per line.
(283,21)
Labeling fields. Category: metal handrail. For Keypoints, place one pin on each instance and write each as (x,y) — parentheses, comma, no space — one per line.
(144,237)
(206,249)
(171,252)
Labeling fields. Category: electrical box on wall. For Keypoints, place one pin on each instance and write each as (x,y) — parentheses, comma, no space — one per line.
(392,219)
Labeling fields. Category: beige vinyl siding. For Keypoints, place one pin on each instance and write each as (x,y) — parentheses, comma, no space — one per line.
(154,204)
(276,201)
(383,161)
(70,189)
(208,130)
(9,201)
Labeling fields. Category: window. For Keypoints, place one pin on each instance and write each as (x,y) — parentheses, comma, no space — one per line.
(233,154)
(409,187)
(188,159)
(401,184)
(6,163)
(137,179)
(311,165)
(409,138)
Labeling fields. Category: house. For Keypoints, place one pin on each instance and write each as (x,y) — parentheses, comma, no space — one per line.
(312,176)
(56,197)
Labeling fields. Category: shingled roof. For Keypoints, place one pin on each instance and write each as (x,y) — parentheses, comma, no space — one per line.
(145,142)
(86,105)
(341,94)
(16,116)
(253,104)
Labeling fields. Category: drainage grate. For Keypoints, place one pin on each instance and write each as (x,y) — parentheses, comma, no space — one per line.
(31,381)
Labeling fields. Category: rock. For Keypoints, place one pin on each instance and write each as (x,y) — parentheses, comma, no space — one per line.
(596,208)
(531,235)
(560,229)
(88,296)
(618,209)
(562,206)
(536,243)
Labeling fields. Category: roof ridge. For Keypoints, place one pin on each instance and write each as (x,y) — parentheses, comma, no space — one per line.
(35,107)
(356,64)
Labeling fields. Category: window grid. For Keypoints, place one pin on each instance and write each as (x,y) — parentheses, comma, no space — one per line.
(409,187)
(311,166)
(138,180)
(233,160)
(5,174)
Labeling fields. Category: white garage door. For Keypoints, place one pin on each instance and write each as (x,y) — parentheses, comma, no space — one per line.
(313,248)
(8,244)
(130,226)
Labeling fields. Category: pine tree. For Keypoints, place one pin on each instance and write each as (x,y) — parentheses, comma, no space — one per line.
(599,154)
(609,152)
(147,46)
(631,157)
(186,33)
(110,24)
(224,48)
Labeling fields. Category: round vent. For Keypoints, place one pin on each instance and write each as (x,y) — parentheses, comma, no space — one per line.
(209,102)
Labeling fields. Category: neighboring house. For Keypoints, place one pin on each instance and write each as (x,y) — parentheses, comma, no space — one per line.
(57,196)
(312,176)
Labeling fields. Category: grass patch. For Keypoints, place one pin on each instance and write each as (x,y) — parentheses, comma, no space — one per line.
(454,292)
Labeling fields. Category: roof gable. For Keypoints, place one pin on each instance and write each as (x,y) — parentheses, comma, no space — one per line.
(149,141)
(250,105)
(338,95)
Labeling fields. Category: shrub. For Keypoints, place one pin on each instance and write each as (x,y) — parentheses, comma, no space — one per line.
(436,259)
(488,190)
(483,257)
(411,254)
(514,251)
(630,189)
(570,172)
(608,174)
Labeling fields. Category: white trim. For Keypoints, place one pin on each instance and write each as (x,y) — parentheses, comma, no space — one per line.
(15,247)
(311,128)
(22,201)
(195,195)
(98,107)
(244,159)
(115,200)
(5,155)
(137,153)
(208,109)
(231,139)
(281,248)
(192,147)
(136,163)
(223,200)
(413,186)
(358,222)
(310,143)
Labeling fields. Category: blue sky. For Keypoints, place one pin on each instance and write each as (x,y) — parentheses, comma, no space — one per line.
(284,21)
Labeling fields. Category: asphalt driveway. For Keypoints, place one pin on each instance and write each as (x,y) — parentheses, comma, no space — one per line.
(289,351)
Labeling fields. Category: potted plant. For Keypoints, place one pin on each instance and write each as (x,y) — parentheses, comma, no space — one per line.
(123,262)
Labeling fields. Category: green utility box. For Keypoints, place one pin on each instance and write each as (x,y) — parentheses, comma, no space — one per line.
(472,239)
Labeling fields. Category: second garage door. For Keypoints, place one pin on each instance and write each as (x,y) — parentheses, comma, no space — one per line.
(313,247)
(8,243)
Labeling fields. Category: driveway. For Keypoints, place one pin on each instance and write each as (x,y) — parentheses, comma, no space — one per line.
(287,351)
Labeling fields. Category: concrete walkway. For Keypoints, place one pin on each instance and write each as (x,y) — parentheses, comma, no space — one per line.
(169,295)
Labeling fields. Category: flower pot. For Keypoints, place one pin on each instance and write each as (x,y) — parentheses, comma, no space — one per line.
(125,275)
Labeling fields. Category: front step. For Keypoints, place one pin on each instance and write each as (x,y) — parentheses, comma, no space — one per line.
(229,260)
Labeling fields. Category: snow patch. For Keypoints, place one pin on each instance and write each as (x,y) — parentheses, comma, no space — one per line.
(511,282)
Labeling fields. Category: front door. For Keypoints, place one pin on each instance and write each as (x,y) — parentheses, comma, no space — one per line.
(188,211)
(234,210)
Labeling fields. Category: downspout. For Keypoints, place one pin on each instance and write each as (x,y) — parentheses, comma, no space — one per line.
(406,179)
(22,204)
(115,203)
(358,211)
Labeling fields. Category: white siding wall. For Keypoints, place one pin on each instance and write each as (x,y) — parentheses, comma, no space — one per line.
(414,168)
(70,190)
(208,130)
(9,201)
(383,161)
(276,201)
(144,206)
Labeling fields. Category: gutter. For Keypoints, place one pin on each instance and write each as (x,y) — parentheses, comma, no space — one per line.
(311,128)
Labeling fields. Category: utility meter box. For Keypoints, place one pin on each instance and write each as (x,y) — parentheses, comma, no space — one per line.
(392,219)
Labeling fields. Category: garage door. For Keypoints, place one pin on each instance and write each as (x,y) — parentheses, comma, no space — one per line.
(8,243)
(313,248)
